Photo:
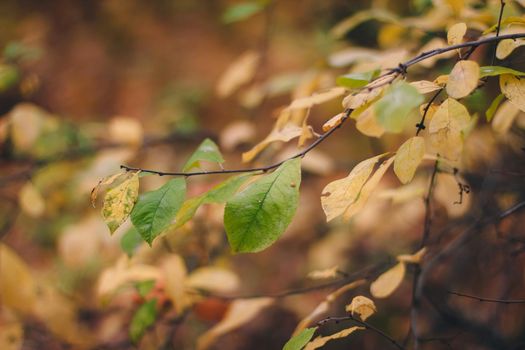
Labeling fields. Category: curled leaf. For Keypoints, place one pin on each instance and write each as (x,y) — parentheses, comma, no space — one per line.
(362,306)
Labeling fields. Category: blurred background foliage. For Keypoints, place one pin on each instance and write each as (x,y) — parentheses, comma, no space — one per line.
(88,85)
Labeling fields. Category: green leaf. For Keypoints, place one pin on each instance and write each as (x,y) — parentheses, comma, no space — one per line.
(394,107)
(494,106)
(143,318)
(255,217)
(491,71)
(144,287)
(207,151)
(356,80)
(155,210)
(119,202)
(242,11)
(9,76)
(219,194)
(300,340)
(130,241)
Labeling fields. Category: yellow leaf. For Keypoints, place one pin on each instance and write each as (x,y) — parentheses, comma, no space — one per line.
(339,195)
(11,336)
(331,272)
(240,72)
(315,99)
(354,101)
(124,272)
(504,117)
(119,202)
(368,125)
(367,189)
(412,258)
(333,122)
(124,130)
(17,286)
(31,201)
(213,279)
(463,79)
(456,5)
(321,341)
(507,46)
(362,306)
(446,128)
(388,282)
(514,89)
(441,80)
(239,313)
(174,270)
(425,86)
(456,33)
(108,180)
(391,35)
(408,157)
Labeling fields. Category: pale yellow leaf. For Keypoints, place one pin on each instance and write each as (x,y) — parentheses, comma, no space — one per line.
(351,55)
(354,101)
(425,86)
(174,271)
(331,272)
(123,272)
(388,282)
(108,180)
(237,133)
(446,128)
(504,117)
(119,202)
(11,336)
(507,46)
(456,33)
(240,312)
(463,79)
(514,89)
(213,279)
(441,80)
(339,195)
(125,130)
(362,306)
(17,286)
(413,258)
(368,125)
(367,189)
(333,122)
(240,72)
(321,341)
(31,201)
(315,99)
(408,157)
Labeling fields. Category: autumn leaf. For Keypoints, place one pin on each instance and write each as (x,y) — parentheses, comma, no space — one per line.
(339,195)
(321,341)
(388,282)
(446,128)
(119,202)
(361,306)
(425,86)
(456,33)
(331,272)
(315,99)
(412,258)
(507,46)
(504,117)
(463,79)
(514,89)
(408,157)
(240,72)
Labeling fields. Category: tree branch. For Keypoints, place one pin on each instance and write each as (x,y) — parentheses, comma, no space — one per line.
(487,300)
(364,324)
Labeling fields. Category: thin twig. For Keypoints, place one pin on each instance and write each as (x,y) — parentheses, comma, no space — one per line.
(421,125)
(364,324)
(488,300)
(501,8)
(248,170)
